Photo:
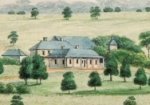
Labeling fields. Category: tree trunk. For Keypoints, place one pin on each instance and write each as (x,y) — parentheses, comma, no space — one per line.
(124,79)
(140,87)
(37,81)
(68,91)
(40,81)
(95,88)
(26,81)
(111,78)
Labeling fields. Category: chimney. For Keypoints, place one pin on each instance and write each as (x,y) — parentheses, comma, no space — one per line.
(45,38)
(62,47)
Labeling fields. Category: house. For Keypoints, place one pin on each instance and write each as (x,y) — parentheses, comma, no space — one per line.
(112,45)
(16,54)
(68,52)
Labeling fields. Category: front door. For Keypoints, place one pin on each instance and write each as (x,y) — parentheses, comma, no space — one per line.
(84,63)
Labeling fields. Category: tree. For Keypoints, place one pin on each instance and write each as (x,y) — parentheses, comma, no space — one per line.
(39,68)
(138,10)
(147,9)
(130,101)
(145,41)
(26,69)
(117,9)
(13,36)
(95,80)
(67,13)
(111,67)
(149,81)
(125,69)
(140,77)
(108,9)
(34,12)
(95,12)
(1,67)
(68,82)
(17,100)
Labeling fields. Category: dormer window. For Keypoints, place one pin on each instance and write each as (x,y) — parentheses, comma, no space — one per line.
(77,46)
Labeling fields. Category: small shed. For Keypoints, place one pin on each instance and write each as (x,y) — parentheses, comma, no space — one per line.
(112,45)
(14,54)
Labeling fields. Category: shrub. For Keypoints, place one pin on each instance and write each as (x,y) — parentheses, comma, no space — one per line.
(10,88)
(130,101)
(117,9)
(22,89)
(21,12)
(2,88)
(147,9)
(108,9)
(9,61)
(17,100)
(11,12)
(138,10)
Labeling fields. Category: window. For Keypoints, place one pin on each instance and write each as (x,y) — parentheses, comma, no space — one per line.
(55,61)
(101,60)
(96,62)
(90,61)
(43,52)
(70,61)
(63,61)
(77,61)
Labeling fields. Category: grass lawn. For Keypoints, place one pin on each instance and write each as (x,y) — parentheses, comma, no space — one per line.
(49,92)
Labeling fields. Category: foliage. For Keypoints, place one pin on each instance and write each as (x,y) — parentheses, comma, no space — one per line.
(138,10)
(67,13)
(140,77)
(145,41)
(130,101)
(9,61)
(39,68)
(21,12)
(26,69)
(11,12)
(13,36)
(147,9)
(10,88)
(1,67)
(149,81)
(125,69)
(17,100)
(95,80)
(111,67)
(22,89)
(2,88)
(68,82)
(100,50)
(147,64)
(108,9)
(117,9)
(34,12)
(95,12)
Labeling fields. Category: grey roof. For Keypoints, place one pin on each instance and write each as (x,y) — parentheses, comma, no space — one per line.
(112,42)
(58,53)
(14,52)
(51,45)
(83,42)
(82,53)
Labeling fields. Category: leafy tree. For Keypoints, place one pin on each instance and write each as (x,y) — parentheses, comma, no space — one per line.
(67,13)
(111,67)
(149,81)
(130,101)
(147,9)
(117,9)
(95,12)
(21,12)
(26,69)
(34,12)
(39,68)
(125,69)
(68,82)
(108,9)
(138,10)
(147,64)
(13,36)
(11,12)
(145,41)
(17,100)
(95,80)
(1,67)
(140,77)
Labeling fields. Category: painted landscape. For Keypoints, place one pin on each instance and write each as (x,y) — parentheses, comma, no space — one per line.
(114,70)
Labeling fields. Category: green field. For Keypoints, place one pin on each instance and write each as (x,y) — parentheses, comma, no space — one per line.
(49,92)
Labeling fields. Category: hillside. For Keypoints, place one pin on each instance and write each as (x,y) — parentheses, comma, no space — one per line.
(129,24)
(76,5)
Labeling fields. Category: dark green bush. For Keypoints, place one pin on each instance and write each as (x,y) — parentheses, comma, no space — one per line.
(22,89)
(108,9)
(2,88)
(21,12)
(11,12)
(10,88)
(8,61)
(138,10)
